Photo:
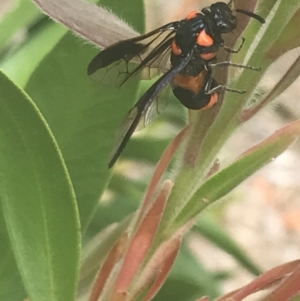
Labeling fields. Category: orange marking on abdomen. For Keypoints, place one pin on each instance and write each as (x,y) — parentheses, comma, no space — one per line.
(204,39)
(193,14)
(192,83)
(208,56)
(175,49)
(213,100)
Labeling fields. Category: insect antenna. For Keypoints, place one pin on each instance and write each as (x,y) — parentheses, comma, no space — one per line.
(250,14)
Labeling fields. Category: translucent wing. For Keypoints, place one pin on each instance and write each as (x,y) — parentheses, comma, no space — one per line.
(150,51)
(142,109)
(157,106)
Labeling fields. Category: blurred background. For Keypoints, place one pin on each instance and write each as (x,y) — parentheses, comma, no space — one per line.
(262,214)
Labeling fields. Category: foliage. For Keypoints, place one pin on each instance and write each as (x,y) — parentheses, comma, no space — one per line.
(57,129)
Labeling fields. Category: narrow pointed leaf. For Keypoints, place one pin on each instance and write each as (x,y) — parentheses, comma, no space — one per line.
(142,241)
(290,287)
(265,45)
(224,181)
(262,282)
(163,164)
(95,253)
(88,20)
(163,273)
(112,259)
(288,78)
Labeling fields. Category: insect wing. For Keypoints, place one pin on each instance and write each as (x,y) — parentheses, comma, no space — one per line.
(157,106)
(114,65)
(141,108)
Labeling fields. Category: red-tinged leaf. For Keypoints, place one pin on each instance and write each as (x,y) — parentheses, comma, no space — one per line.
(157,260)
(112,259)
(165,252)
(121,296)
(215,168)
(289,288)
(95,253)
(141,242)
(163,273)
(285,136)
(163,164)
(88,20)
(262,282)
(91,250)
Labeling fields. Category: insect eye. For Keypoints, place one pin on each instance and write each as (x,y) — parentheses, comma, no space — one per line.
(227,25)
(224,27)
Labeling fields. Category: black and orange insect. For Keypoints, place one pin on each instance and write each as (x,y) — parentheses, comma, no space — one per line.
(190,46)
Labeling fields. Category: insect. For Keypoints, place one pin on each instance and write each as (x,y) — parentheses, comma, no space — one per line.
(190,46)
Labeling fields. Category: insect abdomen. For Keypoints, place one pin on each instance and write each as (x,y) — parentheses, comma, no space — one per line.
(190,91)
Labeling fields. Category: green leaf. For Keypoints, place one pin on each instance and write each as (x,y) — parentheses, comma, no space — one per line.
(11,287)
(228,178)
(264,46)
(38,199)
(133,13)
(82,115)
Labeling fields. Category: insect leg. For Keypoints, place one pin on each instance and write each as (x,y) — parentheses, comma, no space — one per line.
(210,80)
(230,50)
(212,86)
(228,63)
(224,88)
